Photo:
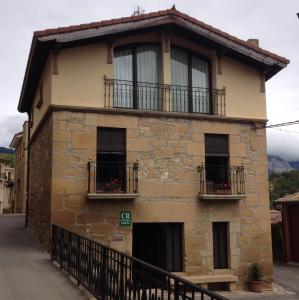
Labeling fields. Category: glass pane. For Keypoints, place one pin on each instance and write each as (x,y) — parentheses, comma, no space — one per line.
(200,85)
(123,74)
(179,79)
(148,77)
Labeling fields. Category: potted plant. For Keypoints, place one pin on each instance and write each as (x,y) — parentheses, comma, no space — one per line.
(113,186)
(255,278)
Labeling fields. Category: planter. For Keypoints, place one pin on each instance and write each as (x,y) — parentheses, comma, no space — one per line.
(255,286)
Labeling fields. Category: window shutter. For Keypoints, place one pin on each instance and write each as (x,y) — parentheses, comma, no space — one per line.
(111,140)
(216,145)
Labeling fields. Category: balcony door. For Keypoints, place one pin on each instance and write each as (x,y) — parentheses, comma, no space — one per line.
(190,82)
(111,160)
(137,73)
(217,164)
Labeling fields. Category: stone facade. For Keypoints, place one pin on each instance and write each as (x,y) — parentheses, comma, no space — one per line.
(40,182)
(168,151)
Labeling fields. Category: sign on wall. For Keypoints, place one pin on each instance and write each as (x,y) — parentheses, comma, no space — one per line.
(125,218)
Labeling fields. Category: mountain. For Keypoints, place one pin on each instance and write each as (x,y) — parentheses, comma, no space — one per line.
(294,164)
(279,165)
(4,150)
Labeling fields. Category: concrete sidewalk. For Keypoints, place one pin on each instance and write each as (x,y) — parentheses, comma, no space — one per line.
(26,271)
(286,286)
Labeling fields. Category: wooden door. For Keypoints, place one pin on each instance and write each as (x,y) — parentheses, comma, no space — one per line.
(294,231)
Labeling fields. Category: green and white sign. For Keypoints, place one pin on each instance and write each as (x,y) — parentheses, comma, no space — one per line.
(125,218)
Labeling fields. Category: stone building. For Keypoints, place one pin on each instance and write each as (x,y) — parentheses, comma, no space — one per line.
(6,186)
(19,143)
(143,135)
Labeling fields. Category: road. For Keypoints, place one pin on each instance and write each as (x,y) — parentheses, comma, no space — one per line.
(25,269)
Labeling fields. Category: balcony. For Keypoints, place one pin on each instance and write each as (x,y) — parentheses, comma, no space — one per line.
(112,180)
(221,182)
(164,97)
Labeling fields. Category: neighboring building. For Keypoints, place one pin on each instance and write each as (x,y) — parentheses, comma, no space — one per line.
(19,143)
(6,186)
(290,221)
(143,135)
(277,234)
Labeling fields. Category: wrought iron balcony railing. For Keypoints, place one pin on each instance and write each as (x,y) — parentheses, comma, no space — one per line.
(163,97)
(221,180)
(112,177)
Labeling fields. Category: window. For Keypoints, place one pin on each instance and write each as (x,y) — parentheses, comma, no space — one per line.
(190,82)
(217,161)
(220,245)
(111,160)
(137,71)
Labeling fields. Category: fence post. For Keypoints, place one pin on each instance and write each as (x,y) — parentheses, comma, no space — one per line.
(103,273)
(176,290)
(78,260)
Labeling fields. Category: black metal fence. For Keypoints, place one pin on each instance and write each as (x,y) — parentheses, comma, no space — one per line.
(109,274)
(163,97)
(221,180)
(112,177)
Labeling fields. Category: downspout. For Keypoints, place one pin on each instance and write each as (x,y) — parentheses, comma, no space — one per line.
(28,168)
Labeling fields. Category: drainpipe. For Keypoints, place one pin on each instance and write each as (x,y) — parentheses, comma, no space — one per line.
(28,164)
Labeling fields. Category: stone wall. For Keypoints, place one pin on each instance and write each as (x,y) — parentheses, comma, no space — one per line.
(168,151)
(40,184)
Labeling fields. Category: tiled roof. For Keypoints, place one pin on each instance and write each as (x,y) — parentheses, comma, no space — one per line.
(167,12)
(292,198)
(275,216)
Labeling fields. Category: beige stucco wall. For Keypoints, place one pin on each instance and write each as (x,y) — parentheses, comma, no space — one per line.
(80,81)
(81,71)
(169,151)
(46,81)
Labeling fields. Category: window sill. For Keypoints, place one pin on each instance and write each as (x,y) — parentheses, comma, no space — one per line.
(113,196)
(221,197)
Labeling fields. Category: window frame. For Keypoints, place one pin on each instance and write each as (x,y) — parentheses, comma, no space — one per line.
(207,59)
(217,263)
(133,47)
(122,154)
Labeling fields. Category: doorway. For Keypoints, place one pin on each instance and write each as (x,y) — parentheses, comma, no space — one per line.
(159,244)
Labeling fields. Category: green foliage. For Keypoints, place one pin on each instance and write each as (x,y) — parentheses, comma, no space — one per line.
(283,184)
(255,272)
(10,158)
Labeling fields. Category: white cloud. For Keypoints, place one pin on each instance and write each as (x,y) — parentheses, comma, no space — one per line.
(9,126)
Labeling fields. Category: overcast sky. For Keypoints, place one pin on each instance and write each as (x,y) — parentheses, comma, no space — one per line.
(273,22)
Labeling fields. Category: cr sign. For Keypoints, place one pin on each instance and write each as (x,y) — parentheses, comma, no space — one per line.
(125,218)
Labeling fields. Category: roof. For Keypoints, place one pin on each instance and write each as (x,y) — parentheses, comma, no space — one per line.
(16,140)
(45,40)
(288,199)
(173,12)
(275,216)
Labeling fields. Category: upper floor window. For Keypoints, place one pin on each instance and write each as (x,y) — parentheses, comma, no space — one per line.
(190,82)
(137,71)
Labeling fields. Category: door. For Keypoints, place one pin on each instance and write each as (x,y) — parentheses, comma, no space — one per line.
(159,244)
(294,229)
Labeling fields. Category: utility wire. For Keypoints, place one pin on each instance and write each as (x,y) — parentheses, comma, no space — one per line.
(282,124)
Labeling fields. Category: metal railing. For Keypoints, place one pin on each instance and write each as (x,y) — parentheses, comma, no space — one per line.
(112,177)
(2,176)
(163,97)
(221,180)
(109,274)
